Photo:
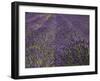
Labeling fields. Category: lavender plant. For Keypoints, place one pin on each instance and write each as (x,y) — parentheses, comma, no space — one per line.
(53,40)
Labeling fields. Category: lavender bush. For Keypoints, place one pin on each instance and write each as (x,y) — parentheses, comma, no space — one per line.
(53,40)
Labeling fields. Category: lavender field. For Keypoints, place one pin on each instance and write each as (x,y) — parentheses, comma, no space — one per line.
(53,40)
